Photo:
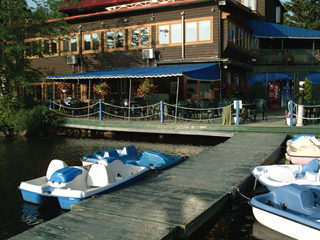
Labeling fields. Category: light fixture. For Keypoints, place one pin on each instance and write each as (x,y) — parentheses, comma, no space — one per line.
(225,66)
(102,23)
(182,13)
(212,9)
(126,20)
(79,26)
(152,16)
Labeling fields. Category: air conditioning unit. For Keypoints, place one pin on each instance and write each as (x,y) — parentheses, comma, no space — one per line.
(148,53)
(72,59)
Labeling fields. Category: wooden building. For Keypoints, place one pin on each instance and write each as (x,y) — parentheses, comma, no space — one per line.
(121,34)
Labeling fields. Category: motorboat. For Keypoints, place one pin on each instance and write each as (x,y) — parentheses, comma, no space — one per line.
(74,184)
(303,137)
(292,210)
(275,176)
(130,155)
(303,151)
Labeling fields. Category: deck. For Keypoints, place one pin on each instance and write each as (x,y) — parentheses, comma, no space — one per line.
(170,204)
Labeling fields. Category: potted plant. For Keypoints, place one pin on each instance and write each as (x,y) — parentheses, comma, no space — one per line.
(288,119)
(63,87)
(102,88)
(147,89)
(215,86)
(254,58)
(288,59)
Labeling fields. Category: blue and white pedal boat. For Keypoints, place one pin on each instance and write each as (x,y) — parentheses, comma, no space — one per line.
(74,184)
(292,210)
(274,176)
(130,155)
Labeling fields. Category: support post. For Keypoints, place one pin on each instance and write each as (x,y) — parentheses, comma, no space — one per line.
(100,110)
(161,112)
(291,113)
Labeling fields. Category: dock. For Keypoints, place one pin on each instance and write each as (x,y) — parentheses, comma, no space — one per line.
(169,204)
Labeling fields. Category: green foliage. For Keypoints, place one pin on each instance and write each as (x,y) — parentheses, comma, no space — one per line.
(258,90)
(25,114)
(303,14)
(308,89)
(18,24)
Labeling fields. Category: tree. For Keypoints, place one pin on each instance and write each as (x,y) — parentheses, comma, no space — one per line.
(18,23)
(303,14)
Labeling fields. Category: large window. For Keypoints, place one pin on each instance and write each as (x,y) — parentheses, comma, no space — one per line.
(250,4)
(196,31)
(32,48)
(50,46)
(139,37)
(91,42)
(198,90)
(115,39)
(238,35)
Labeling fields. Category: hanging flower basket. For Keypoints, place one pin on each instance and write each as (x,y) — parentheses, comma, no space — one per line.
(254,58)
(147,89)
(288,59)
(63,87)
(102,88)
(318,57)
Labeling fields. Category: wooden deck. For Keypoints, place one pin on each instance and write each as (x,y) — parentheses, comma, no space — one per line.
(170,204)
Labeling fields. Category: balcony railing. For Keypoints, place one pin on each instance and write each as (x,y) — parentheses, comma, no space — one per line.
(302,56)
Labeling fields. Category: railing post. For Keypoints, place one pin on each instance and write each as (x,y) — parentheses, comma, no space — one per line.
(161,112)
(237,112)
(50,104)
(100,110)
(291,113)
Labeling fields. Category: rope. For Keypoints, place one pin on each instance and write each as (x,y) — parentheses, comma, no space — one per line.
(241,194)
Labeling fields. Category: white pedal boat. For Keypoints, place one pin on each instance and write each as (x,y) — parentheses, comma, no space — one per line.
(304,137)
(275,176)
(292,210)
(301,152)
(74,184)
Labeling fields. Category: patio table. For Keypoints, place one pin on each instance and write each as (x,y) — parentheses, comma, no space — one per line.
(248,109)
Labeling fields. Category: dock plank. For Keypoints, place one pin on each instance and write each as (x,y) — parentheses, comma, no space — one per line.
(170,203)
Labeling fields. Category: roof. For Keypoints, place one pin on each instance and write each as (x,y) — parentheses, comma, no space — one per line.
(204,72)
(273,30)
(88,4)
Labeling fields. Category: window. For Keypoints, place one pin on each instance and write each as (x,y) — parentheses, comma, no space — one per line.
(113,86)
(239,40)
(114,39)
(278,14)
(32,48)
(196,31)
(67,44)
(250,4)
(139,37)
(50,47)
(198,90)
(91,42)
(231,31)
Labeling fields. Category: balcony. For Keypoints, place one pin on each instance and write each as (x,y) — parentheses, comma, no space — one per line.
(274,56)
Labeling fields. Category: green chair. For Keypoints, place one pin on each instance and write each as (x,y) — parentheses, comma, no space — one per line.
(182,109)
(205,106)
(261,107)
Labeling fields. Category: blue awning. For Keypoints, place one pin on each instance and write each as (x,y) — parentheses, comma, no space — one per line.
(271,78)
(313,77)
(204,72)
(268,30)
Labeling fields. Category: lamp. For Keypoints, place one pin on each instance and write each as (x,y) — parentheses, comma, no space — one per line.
(182,13)
(152,16)
(125,20)
(225,66)
(212,9)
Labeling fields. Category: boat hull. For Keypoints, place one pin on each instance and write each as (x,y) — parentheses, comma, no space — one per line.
(299,160)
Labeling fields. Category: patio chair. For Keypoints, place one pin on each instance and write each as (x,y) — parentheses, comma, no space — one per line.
(182,109)
(205,106)
(261,107)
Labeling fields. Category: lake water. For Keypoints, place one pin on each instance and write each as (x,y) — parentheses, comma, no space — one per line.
(24,159)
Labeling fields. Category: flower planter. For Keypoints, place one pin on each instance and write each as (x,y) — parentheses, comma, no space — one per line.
(64,90)
(254,60)
(293,121)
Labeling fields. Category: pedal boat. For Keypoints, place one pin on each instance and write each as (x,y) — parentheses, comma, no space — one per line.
(275,176)
(292,210)
(130,155)
(302,152)
(74,184)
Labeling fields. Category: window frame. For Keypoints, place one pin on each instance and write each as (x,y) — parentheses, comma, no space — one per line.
(114,30)
(50,45)
(31,40)
(91,42)
(139,27)
(187,21)
(61,44)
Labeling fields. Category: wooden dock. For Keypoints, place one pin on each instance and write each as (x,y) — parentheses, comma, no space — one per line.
(170,204)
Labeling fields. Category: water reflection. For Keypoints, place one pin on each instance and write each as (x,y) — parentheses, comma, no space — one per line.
(25,159)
